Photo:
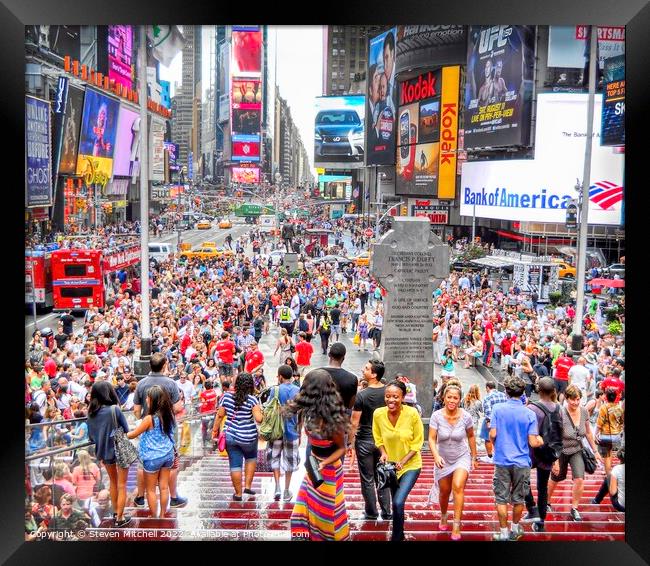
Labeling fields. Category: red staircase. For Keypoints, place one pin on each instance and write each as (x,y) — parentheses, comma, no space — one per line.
(212,515)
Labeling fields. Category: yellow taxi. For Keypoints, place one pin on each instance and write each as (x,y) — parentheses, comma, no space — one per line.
(566,271)
(203,225)
(206,252)
(225,224)
(209,245)
(362,260)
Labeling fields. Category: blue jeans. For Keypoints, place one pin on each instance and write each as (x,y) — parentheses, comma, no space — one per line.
(240,451)
(399,494)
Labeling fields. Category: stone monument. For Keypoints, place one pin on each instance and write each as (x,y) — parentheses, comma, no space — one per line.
(408,262)
(290,261)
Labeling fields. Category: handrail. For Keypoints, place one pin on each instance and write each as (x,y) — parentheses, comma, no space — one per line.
(54,451)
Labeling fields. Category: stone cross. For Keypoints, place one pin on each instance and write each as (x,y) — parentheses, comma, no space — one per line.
(408,261)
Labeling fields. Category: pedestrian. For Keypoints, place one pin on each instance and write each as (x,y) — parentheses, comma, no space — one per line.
(614,485)
(319,512)
(304,352)
(242,410)
(362,444)
(324,331)
(399,434)
(493,397)
(513,429)
(609,428)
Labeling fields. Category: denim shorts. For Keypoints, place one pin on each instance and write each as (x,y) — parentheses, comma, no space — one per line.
(239,451)
(155,464)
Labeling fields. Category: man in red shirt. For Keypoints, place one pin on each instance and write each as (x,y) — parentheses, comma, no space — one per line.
(254,358)
(304,351)
(49,365)
(562,366)
(208,404)
(488,342)
(225,349)
(613,380)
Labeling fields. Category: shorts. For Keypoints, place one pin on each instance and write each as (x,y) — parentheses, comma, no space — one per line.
(608,443)
(577,466)
(455,341)
(484,434)
(225,369)
(239,451)
(561,385)
(510,484)
(336,329)
(285,455)
(154,465)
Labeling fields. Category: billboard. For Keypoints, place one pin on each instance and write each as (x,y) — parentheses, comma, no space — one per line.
(157,150)
(335,186)
(427,134)
(246,60)
(38,152)
(436,213)
(339,131)
(499,86)
(97,137)
(423,46)
(173,155)
(539,189)
(246,148)
(247,175)
(381,107)
(246,106)
(613,119)
(566,45)
(127,137)
(120,52)
(71,127)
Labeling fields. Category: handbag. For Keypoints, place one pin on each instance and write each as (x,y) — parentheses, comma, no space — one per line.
(125,452)
(588,456)
(357,339)
(315,476)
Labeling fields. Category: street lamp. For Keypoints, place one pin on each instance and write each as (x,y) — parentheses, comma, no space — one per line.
(178,206)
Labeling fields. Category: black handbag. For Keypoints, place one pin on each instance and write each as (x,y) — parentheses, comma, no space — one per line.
(315,476)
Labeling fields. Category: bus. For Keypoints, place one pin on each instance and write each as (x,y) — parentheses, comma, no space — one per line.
(38,278)
(81,278)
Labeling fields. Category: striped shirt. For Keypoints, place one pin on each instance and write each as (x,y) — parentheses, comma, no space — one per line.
(240,423)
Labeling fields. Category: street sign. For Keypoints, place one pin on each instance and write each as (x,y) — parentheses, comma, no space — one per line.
(369,232)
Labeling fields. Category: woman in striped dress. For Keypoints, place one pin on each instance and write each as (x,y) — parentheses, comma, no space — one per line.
(319,512)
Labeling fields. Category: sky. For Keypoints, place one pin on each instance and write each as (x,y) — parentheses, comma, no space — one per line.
(299,74)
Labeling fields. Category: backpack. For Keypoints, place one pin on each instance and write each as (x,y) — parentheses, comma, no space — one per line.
(551,431)
(272,426)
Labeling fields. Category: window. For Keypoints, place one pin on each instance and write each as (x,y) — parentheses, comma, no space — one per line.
(335,75)
(76,292)
(352,76)
(335,52)
(74,270)
(335,40)
(342,51)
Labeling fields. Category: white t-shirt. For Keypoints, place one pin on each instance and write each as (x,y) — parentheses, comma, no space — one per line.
(579,375)
(619,473)
(187,388)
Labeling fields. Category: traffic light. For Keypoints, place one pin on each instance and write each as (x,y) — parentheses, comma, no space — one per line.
(572,216)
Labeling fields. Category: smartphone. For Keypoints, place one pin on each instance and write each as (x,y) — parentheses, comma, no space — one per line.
(404,138)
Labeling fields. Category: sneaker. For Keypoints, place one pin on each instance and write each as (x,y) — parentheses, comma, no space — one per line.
(236,497)
(538,527)
(139,501)
(387,517)
(177,501)
(367,517)
(486,459)
(500,537)
(595,501)
(531,516)
(249,491)
(124,522)
(287,495)
(549,509)
(575,515)
(277,495)
(516,533)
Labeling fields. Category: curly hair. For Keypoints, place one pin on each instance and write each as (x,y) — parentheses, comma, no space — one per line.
(244,386)
(319,406)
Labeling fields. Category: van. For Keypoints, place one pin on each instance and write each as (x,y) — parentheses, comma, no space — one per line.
(160,251)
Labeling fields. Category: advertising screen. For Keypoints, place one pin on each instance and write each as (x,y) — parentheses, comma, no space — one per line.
(72,124)
(120,51)
(172,152)
(157,150)
(382,99)
(614,105)
(335,186)
(245,148)
(539,189)
(339,131)
(246,106)
(248,175)
(499,86)
(419,46)
(418,173)
(97,138)
(246,51)
(126,137)
(38,155)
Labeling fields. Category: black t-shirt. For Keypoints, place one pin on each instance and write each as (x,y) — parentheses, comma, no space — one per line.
(367,401)
(155,291)
(60,340)
(335,315)
(346,382)
(67,320)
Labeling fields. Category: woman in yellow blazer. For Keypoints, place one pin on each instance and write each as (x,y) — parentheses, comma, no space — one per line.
(399,435)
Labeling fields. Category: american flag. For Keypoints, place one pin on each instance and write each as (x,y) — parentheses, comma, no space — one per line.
(605,194)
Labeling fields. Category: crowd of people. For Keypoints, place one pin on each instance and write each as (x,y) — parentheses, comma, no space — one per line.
(208,317)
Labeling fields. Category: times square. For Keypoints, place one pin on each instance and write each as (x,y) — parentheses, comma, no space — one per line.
(440,218)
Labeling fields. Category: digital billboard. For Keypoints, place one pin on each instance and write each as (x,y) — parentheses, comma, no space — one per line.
(246,52)
(244,149)
(246,106)
(613,119)
(157,150)
(127,137)
(120,52)
(381,107)
(335,186)
(499,86)
(173,155)
(566,45)
(97,137)
(247,175)
(71,127)
(38,152)
(538,190)
(339,131)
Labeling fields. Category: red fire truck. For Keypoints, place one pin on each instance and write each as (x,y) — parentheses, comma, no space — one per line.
(38,278)
(80,278)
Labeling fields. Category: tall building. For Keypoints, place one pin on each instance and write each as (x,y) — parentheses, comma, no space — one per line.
(345,51)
